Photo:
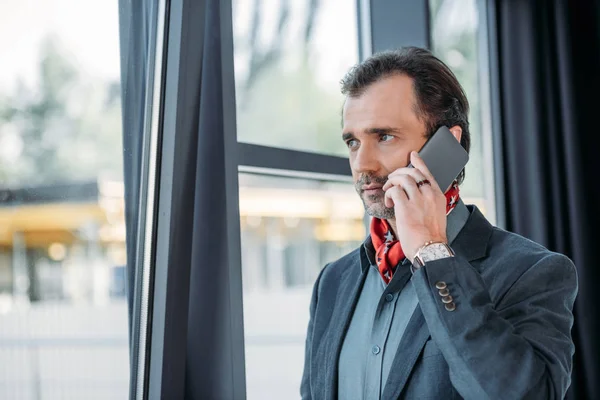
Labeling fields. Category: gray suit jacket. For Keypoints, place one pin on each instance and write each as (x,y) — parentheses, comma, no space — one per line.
(508,338)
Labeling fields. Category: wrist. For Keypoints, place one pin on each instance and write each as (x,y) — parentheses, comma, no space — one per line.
(423,243)
(431,251)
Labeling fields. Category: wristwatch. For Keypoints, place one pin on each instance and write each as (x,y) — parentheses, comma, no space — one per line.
(431,251)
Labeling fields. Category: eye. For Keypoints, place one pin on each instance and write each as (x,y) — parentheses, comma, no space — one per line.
(352,143)
(385,137)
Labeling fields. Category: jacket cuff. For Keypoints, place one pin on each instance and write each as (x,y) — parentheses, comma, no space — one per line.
(450,289)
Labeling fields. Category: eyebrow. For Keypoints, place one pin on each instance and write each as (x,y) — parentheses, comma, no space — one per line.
(384,130)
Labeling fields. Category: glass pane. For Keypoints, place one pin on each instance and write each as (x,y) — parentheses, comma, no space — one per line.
(63,310)
(455,34)
(290,229)
(289,59)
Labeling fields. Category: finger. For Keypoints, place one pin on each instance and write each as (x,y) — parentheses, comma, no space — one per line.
(399,180)
(395,195)
(419,164)
(394,177)
(427,190)
(404,171)
(430,192)
(409,185)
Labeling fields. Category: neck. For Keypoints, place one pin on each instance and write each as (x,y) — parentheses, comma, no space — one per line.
(392,222)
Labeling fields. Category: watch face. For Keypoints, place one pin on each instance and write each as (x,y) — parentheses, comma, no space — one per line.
(434,252)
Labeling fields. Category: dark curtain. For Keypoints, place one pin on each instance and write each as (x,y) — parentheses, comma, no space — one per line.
(214,369)
(549,83)
(201,178)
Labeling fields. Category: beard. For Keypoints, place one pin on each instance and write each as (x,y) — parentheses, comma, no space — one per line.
(374,203)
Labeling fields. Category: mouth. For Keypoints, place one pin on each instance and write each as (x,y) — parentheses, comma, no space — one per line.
(372,189)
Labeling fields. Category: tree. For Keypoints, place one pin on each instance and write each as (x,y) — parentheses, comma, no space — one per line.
(455,36)
(261,56)
(280,100)
(66,128)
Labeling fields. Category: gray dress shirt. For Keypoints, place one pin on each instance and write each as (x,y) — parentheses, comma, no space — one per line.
(379,321)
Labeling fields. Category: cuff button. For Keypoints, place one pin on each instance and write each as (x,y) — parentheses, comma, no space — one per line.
(450,306)
(440,285)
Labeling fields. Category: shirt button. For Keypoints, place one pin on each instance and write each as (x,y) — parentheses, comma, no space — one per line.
(389,297)
(375,349)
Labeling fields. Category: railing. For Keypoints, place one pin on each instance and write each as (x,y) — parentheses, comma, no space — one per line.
(64,368)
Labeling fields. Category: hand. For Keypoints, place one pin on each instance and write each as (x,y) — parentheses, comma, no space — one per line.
(420,211)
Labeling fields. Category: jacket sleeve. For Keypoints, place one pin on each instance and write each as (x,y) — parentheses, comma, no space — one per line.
(305,387)
(518,347)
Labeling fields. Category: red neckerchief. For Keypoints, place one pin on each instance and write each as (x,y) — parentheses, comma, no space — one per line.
(388,251)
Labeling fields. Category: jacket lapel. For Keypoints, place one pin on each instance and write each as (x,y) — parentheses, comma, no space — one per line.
(410,347)
(472,241)
(328,352)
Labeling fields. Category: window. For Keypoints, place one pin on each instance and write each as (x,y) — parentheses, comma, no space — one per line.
(456,33)
(63,255)
(289,58)
(63,306)
(290,229)
(291,226)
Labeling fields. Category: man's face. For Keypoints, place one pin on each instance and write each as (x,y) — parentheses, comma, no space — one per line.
(381,129)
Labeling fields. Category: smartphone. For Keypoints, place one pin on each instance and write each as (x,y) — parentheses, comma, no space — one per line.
(444,156)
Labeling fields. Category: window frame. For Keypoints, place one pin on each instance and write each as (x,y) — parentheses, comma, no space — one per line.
(173,297)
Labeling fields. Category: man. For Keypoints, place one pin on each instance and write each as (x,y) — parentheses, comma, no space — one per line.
(437,303)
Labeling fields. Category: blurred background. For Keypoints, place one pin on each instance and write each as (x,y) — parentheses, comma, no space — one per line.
(63,254)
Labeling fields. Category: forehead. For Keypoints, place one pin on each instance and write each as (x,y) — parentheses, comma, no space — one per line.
(387,102)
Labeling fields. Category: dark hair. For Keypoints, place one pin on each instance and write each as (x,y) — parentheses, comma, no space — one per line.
(441,99)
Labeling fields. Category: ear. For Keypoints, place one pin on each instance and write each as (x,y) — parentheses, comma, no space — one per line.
(456,132)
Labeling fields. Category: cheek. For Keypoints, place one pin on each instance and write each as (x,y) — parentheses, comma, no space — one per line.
(351,163)
(398,158)
(359,166)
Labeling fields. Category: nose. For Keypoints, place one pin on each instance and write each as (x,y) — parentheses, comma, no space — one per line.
(364,160)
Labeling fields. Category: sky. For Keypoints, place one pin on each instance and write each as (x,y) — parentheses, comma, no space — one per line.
(334,42)
(89,30)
